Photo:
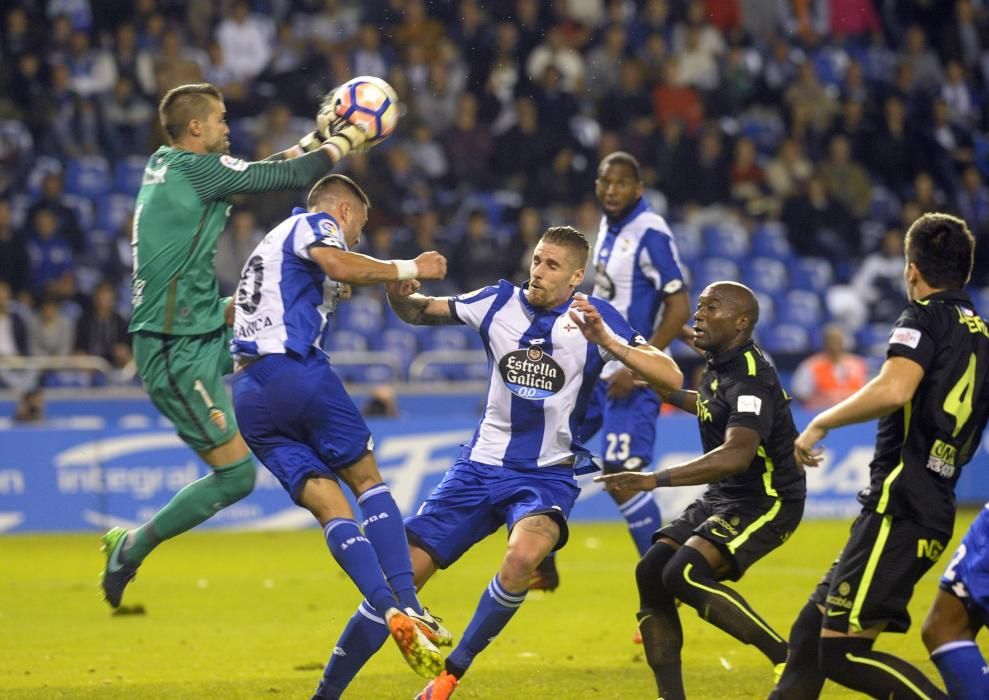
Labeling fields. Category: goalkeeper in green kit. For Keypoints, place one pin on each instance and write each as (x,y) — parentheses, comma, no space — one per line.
(179,330)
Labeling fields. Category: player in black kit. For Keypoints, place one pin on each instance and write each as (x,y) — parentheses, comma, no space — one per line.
(932,398)
(754,502)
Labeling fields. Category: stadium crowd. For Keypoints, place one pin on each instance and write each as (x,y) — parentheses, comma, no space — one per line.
(788,142)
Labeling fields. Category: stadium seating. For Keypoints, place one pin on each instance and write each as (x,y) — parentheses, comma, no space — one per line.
(448,338)
(343,340)
(785,338)
(83,207)
(769,241)
(813,274)
(800,307)
(127,174)
(730,241)
(764,275)
(113,209)
(713,269)
(88,176)
(361,314)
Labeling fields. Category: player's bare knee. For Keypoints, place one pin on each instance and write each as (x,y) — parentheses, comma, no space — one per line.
(362,474)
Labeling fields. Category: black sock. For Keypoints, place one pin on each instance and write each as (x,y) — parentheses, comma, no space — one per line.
(662,640)
(690,578)
(852,662)
(803,678)
(659,622)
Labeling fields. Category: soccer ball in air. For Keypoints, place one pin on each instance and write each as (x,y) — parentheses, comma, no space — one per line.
(369,102)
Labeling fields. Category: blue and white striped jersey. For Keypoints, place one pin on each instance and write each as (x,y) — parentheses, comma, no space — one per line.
(542,373)
(636,266)
(284,297)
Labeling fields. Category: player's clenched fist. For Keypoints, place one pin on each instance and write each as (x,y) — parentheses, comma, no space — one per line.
(431,266)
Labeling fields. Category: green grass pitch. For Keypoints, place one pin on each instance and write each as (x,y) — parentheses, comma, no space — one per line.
(255,615)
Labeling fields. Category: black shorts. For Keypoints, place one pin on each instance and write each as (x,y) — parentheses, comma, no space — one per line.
(744,530)
(872,580)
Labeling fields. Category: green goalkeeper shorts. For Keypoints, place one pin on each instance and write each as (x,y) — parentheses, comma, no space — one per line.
(183,375)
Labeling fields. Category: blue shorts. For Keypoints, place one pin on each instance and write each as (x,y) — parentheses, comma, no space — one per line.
(474,500)
(628,427)
(298,419)
(967,574)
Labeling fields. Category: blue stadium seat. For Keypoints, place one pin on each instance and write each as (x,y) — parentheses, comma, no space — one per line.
(800,307)
(362,313)
(688,240)
(813,274)
(344,340)
(88,176)
(113,209)
(767,307)
(785,338)
(83,207)
(872,339)
(980,297)
(447,338)
(770,241)
(765,275)
(708,270)
(455,371)
(400,341)
(127,174)
(365,374)
(726,240)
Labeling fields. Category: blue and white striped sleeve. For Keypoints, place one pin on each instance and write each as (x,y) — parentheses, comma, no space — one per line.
(471,308)
(316,229)
(661,252)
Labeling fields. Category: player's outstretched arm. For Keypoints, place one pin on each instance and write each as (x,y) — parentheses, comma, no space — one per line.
(362,270)
(895,385)
(733,456)
(651,364)
(681,398)
(418,309)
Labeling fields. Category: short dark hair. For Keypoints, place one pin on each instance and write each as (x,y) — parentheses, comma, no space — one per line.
(332,181)
(622,158)
(568,237)
(943,249)
(182,104)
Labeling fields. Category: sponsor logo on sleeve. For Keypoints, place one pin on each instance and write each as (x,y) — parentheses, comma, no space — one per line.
(328,228)
(749,404)
(233,163)
(905,336)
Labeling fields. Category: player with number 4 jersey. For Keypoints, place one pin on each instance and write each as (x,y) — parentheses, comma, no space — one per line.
(932,401)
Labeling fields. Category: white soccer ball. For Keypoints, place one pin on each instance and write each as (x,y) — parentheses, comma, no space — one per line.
(369,102)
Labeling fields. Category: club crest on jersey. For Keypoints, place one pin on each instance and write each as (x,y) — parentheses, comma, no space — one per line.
(218,418)
(531,373)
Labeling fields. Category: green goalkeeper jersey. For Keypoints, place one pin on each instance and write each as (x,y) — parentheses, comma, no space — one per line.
(181,209)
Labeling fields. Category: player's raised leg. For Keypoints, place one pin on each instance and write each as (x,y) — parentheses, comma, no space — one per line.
(693,575)
(382,525)
(364,634)
(183,376)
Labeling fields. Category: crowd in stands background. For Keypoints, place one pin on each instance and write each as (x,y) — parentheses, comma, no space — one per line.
(832,123)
